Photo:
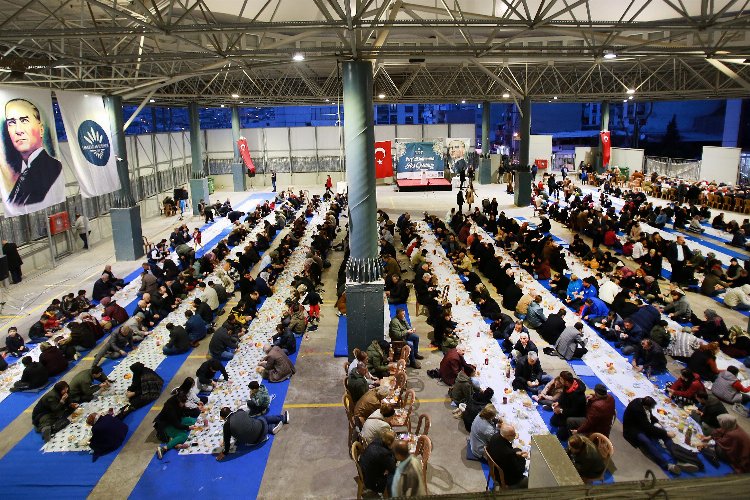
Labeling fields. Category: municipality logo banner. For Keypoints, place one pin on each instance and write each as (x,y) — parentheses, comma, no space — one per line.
(89,135)
(94,143)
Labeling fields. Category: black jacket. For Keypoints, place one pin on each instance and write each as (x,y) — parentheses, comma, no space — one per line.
(551,329)
(505,456)
(573,403)
(179,338)
(208,369)
(637,420)
(376,461)
(35,375)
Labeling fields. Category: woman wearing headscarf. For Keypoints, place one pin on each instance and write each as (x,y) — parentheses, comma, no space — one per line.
(712,329)
(732,444)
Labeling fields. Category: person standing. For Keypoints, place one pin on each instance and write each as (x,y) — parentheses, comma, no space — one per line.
(10,250)
(329,184)
(460,201)
(273,180)
(82,228)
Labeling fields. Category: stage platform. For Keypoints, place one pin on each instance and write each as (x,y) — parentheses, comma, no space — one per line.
(407,185)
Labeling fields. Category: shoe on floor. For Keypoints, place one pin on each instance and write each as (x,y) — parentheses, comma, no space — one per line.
(286,417)
(277,428)
(416,365)
(674,469)
(687,467)
(160,452)
(418,356)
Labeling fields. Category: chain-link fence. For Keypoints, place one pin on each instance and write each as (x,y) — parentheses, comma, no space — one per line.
(674,167)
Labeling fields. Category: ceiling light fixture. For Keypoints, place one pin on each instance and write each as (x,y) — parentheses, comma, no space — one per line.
(463,101)
(609,55)
(630,98)
(381,96)
(506,95)
(235,96)
(298,57)
(222,106)
(631,91)
(152,100)
(555,98)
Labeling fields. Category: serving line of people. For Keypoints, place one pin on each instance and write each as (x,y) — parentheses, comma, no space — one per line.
(236,408)
(133,383)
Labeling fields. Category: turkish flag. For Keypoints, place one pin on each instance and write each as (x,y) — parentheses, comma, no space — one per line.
(383,160)
(606,144)
(245,154)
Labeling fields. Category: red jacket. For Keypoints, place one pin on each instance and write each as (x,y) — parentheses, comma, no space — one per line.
(599,414)
(451,364)
(688,390)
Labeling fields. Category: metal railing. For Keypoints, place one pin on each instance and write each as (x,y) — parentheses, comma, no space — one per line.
(674,167)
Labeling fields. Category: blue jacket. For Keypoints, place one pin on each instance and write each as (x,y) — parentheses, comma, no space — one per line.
(589,292)
(574,287)
(196,327)
(595,310)
(646,317)
(535,315)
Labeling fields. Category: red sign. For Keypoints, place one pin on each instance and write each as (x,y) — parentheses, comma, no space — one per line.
(383,160)
(245,154)
(606,144)
(541,164)
(59,222)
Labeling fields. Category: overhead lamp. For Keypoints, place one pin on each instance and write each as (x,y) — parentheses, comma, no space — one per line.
(555,98)
(328,100)
(222,106)
(631,91)
(608,54)
(630,98)
(463,101)
(299,56)
(235,96)
(381,96)
(152,100)
(506,95)
(624,100)
(515,134)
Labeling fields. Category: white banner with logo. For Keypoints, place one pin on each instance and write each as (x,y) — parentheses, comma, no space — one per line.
(87,126)
(31,176)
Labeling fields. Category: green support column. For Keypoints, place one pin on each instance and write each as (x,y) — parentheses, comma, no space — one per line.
(485,166)
(364,285)
(198,179)
(522,183)
(125,214)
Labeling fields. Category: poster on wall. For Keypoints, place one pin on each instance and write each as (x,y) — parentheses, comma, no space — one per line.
(420,160)
(458,155)
(90,138)
(383,160)
(31,176)
(606,147)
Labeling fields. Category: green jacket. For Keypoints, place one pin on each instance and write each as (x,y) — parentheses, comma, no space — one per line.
(397,329)
(660,335)
(357,385)
(49,405)
(82,386)
(377,361)
(261,398)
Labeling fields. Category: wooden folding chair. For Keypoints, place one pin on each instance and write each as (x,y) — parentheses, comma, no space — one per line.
(396,348)
(606,450)
(423,425)
(423,451)
(747,206)
(496,474)
(356,452)
(353,428)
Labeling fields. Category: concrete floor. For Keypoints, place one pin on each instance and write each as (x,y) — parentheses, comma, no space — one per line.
(310,459)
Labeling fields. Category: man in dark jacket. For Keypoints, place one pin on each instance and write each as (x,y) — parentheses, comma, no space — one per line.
(600,413)
(10,250)
(103,287)
(572,403)
(206,373)
(512,461)
(640,430)
(34,376)
(107,433)
(377,462)
(285,339)
(53,359)
(630,337)
(529,374)
(248,430)
(357,382)
(195,327)
(649,358)
(397,291)
(203,310)
(179,340)
(223,343)
(551,329)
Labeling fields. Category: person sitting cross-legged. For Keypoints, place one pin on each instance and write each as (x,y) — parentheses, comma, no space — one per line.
(260,400)
(529,374)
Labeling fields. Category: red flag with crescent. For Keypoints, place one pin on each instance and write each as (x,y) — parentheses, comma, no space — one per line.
(383,160)
(245,154)
(606,144)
